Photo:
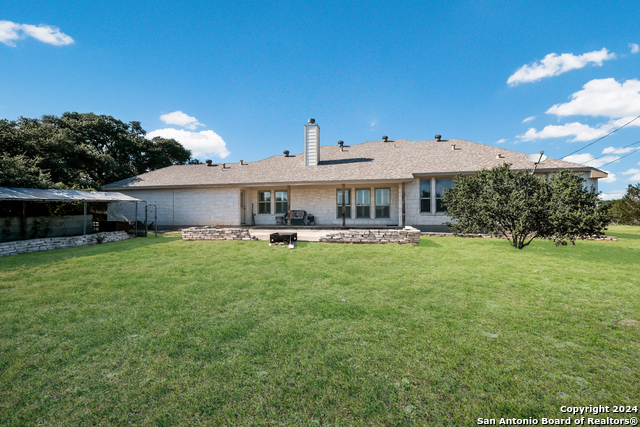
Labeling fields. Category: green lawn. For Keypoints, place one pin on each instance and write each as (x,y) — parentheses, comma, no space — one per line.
(165,332)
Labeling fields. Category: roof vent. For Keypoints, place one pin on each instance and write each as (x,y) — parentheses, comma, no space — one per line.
(438,137)
(286,153)
(224,166)
(341,144)
(242,162)
(385,138)
(209,162)
(499,156)
(312,121)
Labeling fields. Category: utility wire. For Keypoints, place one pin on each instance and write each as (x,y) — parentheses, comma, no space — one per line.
(601,138)
(617,149)
(633,152)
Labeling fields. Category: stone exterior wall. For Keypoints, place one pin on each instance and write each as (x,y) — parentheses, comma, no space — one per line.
(49,243)
(212,233)
(408,235)
(424,221)
(189,206)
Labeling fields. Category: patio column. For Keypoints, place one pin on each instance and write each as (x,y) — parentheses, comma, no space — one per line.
(400,205)
(288,206)
(372,203)
(344,210)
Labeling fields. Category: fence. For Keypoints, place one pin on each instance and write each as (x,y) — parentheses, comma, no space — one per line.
(23,220)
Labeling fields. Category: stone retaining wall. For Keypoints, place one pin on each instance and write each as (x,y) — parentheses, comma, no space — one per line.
(49,243)
(408,235)
(488,236)
(207,233)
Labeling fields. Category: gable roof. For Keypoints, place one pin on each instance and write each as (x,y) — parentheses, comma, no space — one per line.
(394,161)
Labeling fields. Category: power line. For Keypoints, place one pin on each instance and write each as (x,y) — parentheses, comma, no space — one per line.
(633,152)
(601,138)
(617,149)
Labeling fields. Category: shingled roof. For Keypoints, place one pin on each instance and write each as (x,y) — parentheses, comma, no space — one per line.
(392,161)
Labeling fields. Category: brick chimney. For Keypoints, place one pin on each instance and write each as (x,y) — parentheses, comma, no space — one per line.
(311,143)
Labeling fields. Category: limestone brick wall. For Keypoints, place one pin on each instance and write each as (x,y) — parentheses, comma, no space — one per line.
(413,216)
(320,201)
(211,233)
(191,206)
(49,243)
(407,235)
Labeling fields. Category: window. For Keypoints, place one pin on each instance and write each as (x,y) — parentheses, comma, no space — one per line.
(281,202)
(382,203)
(441,186)
(363,203)
(264,202)
(347,203)
(425,195)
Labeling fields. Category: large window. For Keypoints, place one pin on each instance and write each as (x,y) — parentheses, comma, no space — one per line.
(347,203)
(264,202)
(363,203)
(441,186)
(382,203)
(281,202)
(425,195)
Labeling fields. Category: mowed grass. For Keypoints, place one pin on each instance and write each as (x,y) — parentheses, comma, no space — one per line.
(166,332)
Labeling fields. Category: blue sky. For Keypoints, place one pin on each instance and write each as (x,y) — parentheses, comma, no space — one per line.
(238,81)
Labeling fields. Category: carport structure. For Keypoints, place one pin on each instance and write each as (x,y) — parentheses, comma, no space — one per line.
(27,213)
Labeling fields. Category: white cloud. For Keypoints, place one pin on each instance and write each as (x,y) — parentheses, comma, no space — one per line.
(501,141)
(634,48)
(204,143)
(609,179)
(588,160)
(634,172)
(528,119)
(553,65)
(579,131)
(11,31)
(603,97)
(619,150)
(181,119)
(612,195)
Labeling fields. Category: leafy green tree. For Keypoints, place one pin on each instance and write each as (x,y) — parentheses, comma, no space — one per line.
(627,209)
(521,207)
(88,150)
(22,172)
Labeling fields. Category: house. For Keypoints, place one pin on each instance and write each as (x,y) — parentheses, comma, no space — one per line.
(385,183)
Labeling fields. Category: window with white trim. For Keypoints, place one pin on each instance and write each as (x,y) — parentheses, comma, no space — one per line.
(281,202)
(363,203)
(382,203)
(442,185)
(347,203)
(264,202)
(425,195)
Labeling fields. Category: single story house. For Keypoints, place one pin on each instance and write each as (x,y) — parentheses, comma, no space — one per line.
(384,183)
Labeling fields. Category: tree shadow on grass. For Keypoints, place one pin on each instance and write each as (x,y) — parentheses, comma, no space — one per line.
(626,236)
(35,259)
(428,243)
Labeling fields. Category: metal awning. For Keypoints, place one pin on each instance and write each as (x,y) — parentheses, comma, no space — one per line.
(38,195)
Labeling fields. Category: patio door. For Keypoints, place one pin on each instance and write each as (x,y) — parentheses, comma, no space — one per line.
(242,209)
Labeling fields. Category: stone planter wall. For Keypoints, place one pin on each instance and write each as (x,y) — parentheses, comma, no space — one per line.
(408,235)
(49,243)
(206,233)
(488,236)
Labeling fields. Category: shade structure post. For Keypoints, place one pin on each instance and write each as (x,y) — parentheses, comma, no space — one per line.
(135,221)
(84,220)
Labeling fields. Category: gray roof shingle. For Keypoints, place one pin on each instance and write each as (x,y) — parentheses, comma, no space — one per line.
(399,160)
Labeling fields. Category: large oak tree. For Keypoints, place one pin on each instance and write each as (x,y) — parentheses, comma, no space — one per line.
(80,150)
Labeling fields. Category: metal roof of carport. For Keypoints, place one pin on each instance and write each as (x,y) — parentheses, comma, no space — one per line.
(39,195)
